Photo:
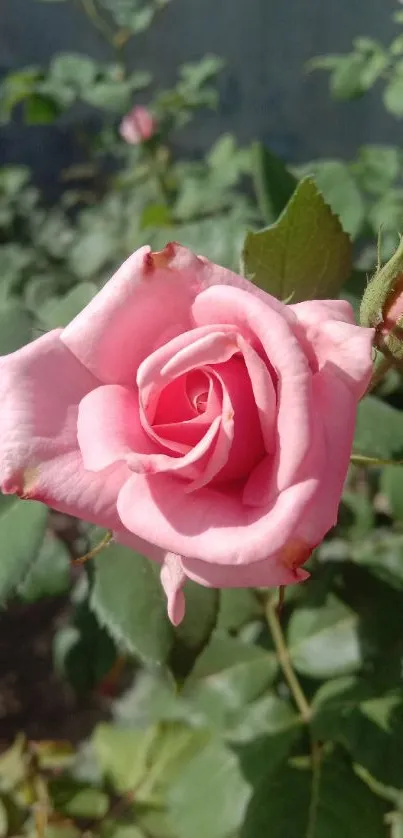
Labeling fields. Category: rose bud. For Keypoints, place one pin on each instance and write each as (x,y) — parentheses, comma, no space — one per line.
(382,306)
(137,126)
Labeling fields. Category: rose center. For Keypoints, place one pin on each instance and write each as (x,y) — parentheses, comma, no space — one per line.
(197,386)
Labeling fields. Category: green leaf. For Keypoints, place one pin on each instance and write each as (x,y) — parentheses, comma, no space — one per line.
(274,183)
(237,607)
(155,215)
(227,676)
(91,252)
(305,255)
(395,820)
(377,167)
(323,642)
(112,96)
(269,716)
(13,765)
(393,95)
(281,806)
(175,745)
(386,213)
(49,573)
(123,754)
(392,486)
(16,327)
(84,652)
(152,698)
(128,600)
(13,179)
(22,530)
(15,88)
(369,726)
(59,312)
(210,796)
(340,191)
(40,109)
(73,69)
(77,801)
(379,430)
(61,830)
(382,554)
(116,830)
(357,72)
(195,630)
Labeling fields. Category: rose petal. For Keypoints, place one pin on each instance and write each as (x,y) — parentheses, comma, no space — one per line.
(109,427)
(239,408)
(172,580)
(333,399)
(210,525)
(335,340)
(294,408)
(146,303)
(39,455)
(271,572)
(187,352)
(188,465)
(263,391)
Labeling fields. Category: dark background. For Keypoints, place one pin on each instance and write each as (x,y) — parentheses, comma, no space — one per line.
(265,91)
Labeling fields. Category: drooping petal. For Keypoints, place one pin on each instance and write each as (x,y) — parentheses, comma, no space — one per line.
(172,580)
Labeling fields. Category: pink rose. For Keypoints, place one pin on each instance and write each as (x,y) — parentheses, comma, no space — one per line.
(138,125)
(203,421)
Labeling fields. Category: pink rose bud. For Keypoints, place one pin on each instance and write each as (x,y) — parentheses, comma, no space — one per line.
(205,423)
(137,126)
(382,306)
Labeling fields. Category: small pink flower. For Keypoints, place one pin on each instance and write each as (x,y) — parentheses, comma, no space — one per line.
(138,125)
(203,421)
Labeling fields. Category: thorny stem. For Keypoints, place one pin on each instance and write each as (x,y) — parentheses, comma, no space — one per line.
(285,661)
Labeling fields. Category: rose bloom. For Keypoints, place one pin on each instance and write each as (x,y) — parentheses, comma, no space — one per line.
(207,424)
(137,126)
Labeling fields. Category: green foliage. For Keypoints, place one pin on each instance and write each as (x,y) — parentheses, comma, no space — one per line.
(379,430)
(23,527)
(353,74)
(305,254)
(274,183)
(282,805)
(127,598)
(208,734)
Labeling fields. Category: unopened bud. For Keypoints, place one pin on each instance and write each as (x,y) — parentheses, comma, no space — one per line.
(137,126)
(382,306)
